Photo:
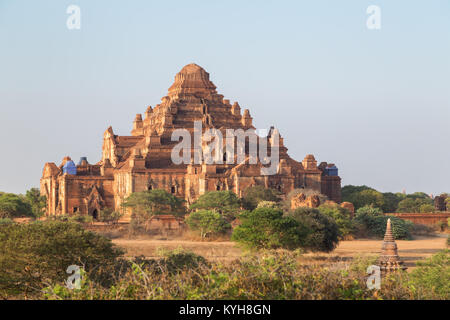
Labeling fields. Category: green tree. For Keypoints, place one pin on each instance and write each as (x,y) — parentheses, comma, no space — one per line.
(36,254)
(254,195)
(12,205)
(37,202)
(266,228)
(426,208)
(223,202)
(154,202)
(320,232)
(391,201)
(362,196)
(413,205)
(348,192)
(207,222)
(147,204)
(418,195)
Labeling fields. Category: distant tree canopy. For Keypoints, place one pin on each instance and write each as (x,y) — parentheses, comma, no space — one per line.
(223,202)
(415,205)
(13,206)
(154,202)
(254,195)
(362,196)
(389,202)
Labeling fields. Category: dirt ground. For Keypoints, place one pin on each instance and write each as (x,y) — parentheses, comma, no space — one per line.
(410,251)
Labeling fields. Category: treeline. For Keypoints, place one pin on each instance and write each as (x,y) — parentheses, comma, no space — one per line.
(263,220)
(32,204)
(360,196)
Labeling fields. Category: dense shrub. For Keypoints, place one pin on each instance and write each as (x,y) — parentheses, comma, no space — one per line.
(341,216)
(32,255)
(207,222)
(320,232)
(432,277)
(369,210)
(268,275)
(5,220)
(109,216)
(254,195)
(376,225)
(267,228)
(269,204)
(12,206)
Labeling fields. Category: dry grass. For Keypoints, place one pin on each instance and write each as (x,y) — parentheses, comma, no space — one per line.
(410,251)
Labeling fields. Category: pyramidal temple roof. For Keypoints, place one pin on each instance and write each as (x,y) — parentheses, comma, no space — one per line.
(192,79)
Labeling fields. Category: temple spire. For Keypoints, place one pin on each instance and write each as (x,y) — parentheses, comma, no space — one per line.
(192,80)
(389,259)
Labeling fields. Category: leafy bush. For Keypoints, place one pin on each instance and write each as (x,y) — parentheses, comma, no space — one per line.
(431,278)
(179,259)
(5,220)
(269,204)
(254,195)
(320,232)
(376,225)
(207,222)
(79,218)
(109,216)
(267,228)
(32,255)
(341,216)
(369,210)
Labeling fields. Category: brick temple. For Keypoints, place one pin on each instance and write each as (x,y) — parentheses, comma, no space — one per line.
(142,161)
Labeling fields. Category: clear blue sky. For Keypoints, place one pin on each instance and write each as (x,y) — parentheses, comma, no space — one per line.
(376,103)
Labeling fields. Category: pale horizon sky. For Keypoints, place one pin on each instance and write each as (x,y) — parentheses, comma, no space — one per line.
(374,102)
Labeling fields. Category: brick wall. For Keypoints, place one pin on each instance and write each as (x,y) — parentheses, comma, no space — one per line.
(423,218)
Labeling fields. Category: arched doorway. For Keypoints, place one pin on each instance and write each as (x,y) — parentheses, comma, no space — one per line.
(95,214)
